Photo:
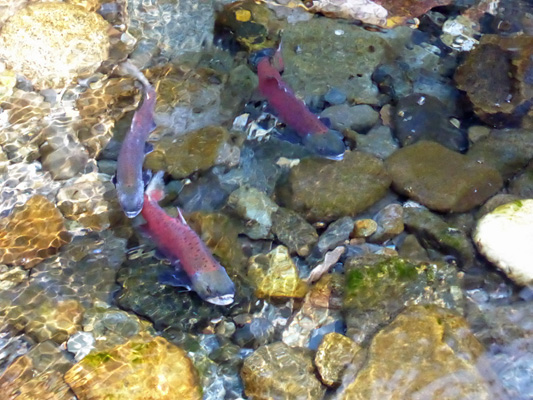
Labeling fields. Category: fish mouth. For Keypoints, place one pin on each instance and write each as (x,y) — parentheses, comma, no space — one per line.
(337,157)
(223,300)
(132,214)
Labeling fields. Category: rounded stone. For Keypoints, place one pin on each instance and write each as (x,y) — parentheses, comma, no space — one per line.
(504,237)
(53,43)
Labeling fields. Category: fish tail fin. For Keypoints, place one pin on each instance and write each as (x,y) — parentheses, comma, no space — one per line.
(277,59)
(128,68)
(156,188)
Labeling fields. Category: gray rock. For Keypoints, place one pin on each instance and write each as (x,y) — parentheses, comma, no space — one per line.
(335,96)
(390,223)
(378,141)
(336,233)
(293,231)
(359,118)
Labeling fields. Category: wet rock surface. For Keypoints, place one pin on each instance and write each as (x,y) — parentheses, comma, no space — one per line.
(131,370)
(34,43)
(324,190)
(279,371)
(293,231)
(335,352)
(414,341)
(440,178)
(503,236)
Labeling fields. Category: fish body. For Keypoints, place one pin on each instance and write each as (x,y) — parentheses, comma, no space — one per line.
(129,177)
(315,135)
(177,241)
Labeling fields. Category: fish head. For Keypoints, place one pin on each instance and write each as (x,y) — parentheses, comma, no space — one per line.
(214,286)
(329,144)
(131,198)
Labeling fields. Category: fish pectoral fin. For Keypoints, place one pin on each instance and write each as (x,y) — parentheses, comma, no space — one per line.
(175,278)
(180,217)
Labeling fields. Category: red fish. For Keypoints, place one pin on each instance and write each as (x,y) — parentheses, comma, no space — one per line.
(316,136)
(177,241)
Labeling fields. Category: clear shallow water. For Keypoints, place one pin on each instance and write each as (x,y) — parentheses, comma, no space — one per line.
(79,276)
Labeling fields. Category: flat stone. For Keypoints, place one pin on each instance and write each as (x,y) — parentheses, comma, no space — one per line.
(277,371)
(52,43)
(504,237)
(134,369)
(324,190)
(441,179)
(426,352)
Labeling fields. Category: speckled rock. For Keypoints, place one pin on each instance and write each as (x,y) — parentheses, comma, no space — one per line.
(132,370)
(32,233)
(335,352)
(281,372)
(390,223)
(91,201)
(255,208)
(441,179)
(378,141)
(378,287)
(275,275)
(504,236)
(53,43)
(195,151)
(426,352)
(435,233)
(323,190)
(293,231)
(424,117)
(37,375)
(507,150)
(346,60)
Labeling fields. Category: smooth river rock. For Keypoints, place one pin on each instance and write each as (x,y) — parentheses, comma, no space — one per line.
(325,190)
(441,179)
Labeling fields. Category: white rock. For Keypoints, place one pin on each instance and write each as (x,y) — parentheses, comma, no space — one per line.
(505,237)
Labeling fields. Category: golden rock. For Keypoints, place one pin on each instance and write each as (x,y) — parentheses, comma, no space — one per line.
(136,370)
(335,352)
(194,151)
(364,228)
(426,352)
(275,275)
(277,371)
(32,233)
(52,43)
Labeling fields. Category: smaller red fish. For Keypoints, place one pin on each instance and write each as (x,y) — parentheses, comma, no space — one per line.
(177,241)
(316,136)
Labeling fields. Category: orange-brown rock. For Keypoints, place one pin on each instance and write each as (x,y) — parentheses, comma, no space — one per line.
(32,233)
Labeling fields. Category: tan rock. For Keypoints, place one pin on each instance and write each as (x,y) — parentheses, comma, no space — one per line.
(137,370)
(32,233)
(52,43)
(335,352)
(275,275)
(277,371)
(425,353)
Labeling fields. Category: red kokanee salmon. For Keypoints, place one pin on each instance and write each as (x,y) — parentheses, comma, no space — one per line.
(177,241)
(129,177)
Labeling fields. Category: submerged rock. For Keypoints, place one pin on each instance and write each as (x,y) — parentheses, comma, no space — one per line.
(441,179)
(90,200)
(134,369)
(426,352)
(389,223)
(293,231)
(323,190)
(37,375)
(32,233)
(378,287)
(275,275)
(53,43)
(435,233)
(255,208)
(334,354)
(281,372)
(424,117)
(504,236)
(194,151)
